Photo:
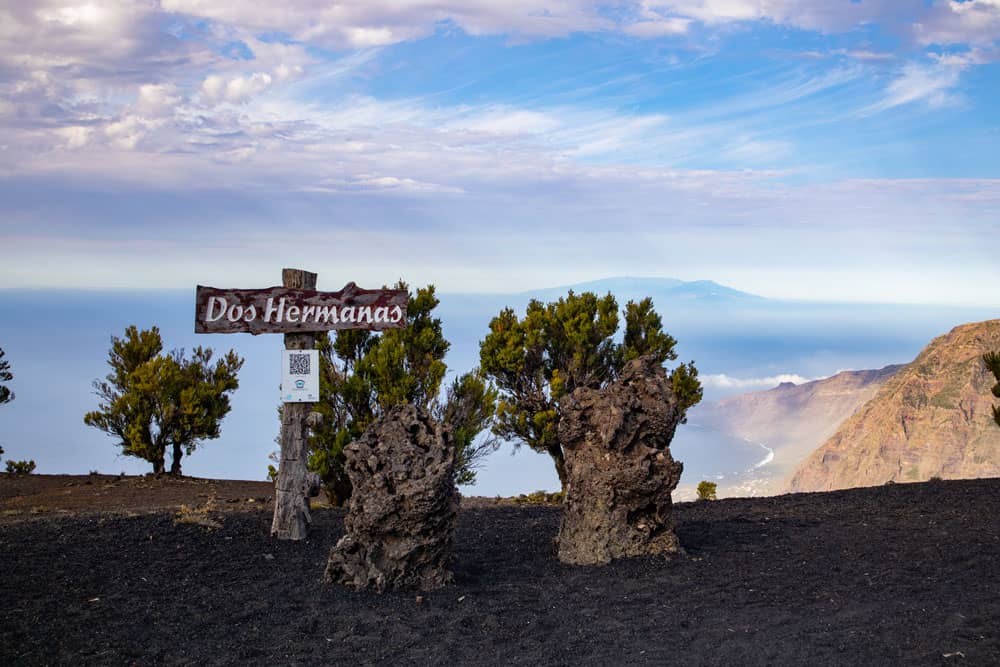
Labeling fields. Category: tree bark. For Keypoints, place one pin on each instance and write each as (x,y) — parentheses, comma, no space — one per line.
(175,464)
(291,500)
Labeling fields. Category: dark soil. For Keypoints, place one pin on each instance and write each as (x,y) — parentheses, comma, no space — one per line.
(888,575)
(27,495)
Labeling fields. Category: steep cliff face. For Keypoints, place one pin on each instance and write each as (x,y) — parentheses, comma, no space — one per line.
(792,420)
(932,419)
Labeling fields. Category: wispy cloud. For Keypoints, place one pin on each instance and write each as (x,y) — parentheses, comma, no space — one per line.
(932,84)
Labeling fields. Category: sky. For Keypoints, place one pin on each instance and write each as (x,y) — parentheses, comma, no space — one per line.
(804,149)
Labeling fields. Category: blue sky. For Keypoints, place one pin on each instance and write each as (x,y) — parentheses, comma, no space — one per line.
(806,149)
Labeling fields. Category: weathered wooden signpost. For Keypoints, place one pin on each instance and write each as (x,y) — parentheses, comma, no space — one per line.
(298,311)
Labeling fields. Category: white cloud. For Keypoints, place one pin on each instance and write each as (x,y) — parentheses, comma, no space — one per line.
(74,136)
(126,132)
(236,89)
(820,15)
(723,381)
(971,22)
(363,24)
(157,100)
(657,27)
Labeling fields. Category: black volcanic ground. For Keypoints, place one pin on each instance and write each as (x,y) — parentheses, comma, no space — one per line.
(887,575)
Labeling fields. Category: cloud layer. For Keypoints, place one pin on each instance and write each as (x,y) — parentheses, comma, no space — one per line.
(286,113)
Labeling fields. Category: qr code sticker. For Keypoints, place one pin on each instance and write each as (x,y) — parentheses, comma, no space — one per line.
(298,364)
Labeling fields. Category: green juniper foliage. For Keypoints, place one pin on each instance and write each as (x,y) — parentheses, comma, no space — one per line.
(20,467)
(992,361)
(555,348)
(6,395)
(707,490)
(155,402)
(363,374)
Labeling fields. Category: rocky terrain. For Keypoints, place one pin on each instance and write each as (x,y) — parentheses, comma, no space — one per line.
(931,419)
(791,420)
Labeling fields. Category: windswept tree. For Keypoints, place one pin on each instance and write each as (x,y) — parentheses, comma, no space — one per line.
(536,360)
(6,395)
(157,403)
(992,361)
(363,374)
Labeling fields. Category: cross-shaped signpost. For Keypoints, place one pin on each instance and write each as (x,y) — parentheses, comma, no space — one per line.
(298,311)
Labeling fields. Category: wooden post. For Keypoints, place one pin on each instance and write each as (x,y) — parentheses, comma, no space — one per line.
(291,499)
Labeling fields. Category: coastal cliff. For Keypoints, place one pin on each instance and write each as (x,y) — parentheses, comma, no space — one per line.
(931,419)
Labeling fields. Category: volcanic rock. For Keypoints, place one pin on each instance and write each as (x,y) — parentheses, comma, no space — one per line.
(619,469)
(402,512)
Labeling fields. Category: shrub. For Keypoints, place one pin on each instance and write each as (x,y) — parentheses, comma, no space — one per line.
(197,516)
(540,498)
(20,467)
(706,490)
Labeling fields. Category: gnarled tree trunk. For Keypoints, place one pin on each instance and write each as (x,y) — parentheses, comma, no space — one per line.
(620,472)
(402,512)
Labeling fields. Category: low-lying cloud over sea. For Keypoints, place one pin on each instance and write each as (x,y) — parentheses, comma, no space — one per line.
(57,343)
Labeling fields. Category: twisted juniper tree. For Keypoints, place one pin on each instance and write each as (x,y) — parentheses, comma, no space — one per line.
(363,374)
(555,348)
(158,403)
(6,395)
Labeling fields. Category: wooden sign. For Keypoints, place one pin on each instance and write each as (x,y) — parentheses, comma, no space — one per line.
(297,310)
(285,310)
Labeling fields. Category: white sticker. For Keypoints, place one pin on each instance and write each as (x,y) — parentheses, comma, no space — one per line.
(300,376)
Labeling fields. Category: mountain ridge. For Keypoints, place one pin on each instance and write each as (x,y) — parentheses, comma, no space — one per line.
(627,286)
(931,419)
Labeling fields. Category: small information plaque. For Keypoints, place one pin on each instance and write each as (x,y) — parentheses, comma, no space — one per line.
(300,376)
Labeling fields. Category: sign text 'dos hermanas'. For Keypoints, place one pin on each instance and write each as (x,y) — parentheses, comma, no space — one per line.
(285,310)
